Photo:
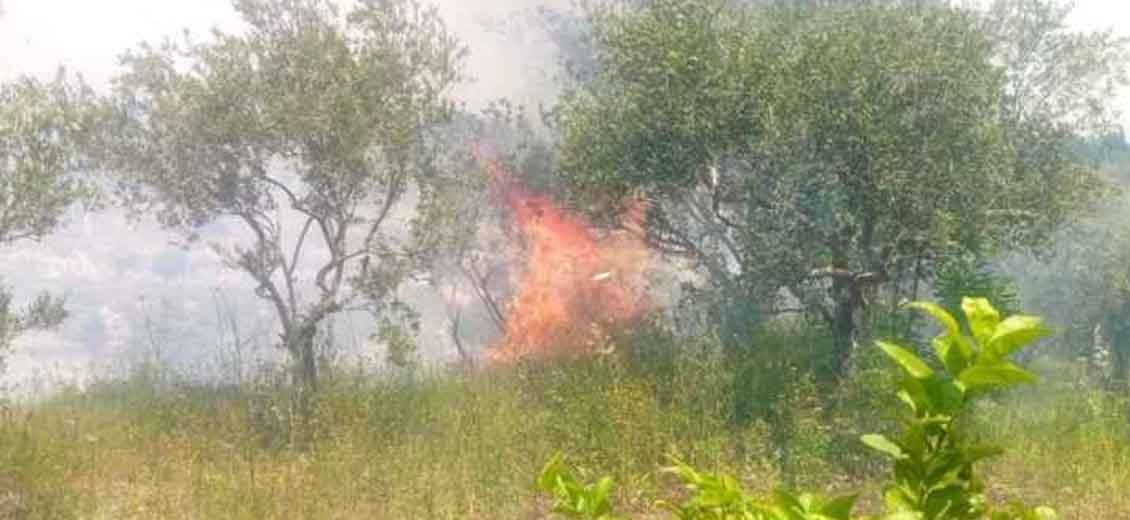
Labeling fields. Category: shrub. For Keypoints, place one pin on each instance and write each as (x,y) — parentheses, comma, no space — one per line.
(933,457)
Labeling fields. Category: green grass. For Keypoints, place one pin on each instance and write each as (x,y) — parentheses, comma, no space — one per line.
(449,445)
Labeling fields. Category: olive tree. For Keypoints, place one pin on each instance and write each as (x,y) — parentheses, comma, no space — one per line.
(41,126)
(311,129)
(805,157)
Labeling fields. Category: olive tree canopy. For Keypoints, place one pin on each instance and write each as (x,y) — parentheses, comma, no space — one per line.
(41,128)
(817,152)
(311,130)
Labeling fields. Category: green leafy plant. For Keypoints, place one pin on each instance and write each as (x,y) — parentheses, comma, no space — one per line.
(933,458)
(720,497)
(573,499)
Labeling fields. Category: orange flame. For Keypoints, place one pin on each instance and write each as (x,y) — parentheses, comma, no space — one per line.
(577,287)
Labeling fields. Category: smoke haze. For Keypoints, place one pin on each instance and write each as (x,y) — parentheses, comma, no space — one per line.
(128,289)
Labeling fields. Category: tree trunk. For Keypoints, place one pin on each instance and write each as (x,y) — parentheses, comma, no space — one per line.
(914,293)
(300,345)
(309,365)
(843,325)
(847,300)
(1119,346)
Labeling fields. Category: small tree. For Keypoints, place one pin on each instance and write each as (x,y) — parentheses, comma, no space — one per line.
(311,130)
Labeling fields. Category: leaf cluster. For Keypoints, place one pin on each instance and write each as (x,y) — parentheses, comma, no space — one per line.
(573,499)
(720,497)
(42,127)
(933,462)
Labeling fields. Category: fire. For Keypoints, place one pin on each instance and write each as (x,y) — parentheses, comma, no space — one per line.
(577,287)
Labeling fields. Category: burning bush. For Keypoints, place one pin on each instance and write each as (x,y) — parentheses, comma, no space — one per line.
(577,287)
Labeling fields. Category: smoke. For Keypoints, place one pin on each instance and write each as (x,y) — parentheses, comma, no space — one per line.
(513,53)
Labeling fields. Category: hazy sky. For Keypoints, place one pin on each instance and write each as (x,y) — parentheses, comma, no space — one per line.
(88,35)
(116,273)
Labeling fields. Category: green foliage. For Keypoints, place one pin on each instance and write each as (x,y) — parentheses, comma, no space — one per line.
(874,138)
(44,313)
(572,498)
(933,461)
(933,457)
(42,129)
(720,497)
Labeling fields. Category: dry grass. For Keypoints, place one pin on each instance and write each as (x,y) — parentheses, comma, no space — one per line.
(456,446)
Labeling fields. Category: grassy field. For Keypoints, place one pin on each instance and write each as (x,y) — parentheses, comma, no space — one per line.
(469,445)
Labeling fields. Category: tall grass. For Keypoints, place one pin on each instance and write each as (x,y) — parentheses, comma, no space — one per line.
(468,445)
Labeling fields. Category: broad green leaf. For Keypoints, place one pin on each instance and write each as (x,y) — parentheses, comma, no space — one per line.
(944,500)
(913,392)
(789,501)
(548,478)
(730,484)
(943,471)
(790,506)
(942,316)
(896,500)
(913,440)
(998,374)
(944,397)
(982,318)
(953,352)
(907,359)
(909,476)
(1014,333)
(809,502)
(839,507)
(881,443)
(904,515)
(600,494)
